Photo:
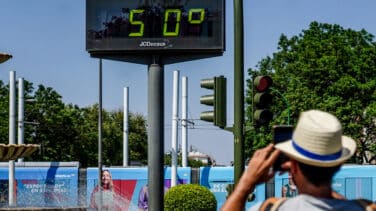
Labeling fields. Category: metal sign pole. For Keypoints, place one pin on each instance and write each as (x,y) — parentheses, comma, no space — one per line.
(238,91)
(100,134)
(155,136)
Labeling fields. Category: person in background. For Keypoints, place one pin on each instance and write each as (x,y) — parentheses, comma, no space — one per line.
(143,199)
(317,151)
(289,190)
(108,196)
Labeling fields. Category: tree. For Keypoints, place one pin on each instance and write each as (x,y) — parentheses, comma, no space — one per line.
(4,108)
(113,138)
(4,114)
(56,130)
(67,132)
(325,67)
(191,162)
(367,143)
(138,138)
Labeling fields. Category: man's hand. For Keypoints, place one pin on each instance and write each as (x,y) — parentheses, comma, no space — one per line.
(260,166)
(258,171)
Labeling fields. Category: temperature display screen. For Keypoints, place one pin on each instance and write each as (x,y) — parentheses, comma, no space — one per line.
(155,25)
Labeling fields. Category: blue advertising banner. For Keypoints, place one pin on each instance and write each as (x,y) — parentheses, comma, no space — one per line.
(130,185)
(217,178)
(352,181)
(58,186)
(51,186)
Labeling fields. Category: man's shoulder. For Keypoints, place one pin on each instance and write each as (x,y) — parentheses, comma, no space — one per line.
(303,202)
(306,202)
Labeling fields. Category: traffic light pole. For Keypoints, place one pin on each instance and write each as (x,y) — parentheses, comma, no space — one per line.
(238,91)
(155,135)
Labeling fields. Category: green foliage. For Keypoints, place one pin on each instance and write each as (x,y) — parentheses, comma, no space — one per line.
(325,67)
(69,133)
(189,197)
(4,115)
(197,163)
(191,162)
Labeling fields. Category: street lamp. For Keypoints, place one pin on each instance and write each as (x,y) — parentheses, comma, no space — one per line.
(4,57)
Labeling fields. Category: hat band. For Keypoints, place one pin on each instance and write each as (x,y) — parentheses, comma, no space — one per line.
(314,155)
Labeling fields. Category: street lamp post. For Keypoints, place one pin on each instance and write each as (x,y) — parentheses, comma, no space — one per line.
(12,134)
(21,114)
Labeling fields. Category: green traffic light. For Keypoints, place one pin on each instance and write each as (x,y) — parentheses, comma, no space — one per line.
(220,102)
(208,83)
(207,100)
(207,116)
(217,100)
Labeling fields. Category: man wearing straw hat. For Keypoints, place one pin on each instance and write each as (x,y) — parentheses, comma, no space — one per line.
(316,151)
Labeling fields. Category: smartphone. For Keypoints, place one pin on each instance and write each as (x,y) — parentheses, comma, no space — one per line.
(281,133)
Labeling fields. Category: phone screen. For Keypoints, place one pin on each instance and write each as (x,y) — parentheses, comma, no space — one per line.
(281,133)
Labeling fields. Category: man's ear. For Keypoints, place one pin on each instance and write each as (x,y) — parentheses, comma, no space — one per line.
(293,166)
(286,165)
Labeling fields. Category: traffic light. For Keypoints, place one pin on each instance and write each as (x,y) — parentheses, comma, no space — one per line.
(217,100)
(262,100)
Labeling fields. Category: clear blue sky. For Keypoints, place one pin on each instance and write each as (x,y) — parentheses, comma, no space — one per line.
(47,40)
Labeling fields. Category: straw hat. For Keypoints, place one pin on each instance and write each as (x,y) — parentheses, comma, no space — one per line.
(318,141)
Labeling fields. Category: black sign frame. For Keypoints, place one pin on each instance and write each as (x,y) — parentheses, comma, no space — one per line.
(113,29)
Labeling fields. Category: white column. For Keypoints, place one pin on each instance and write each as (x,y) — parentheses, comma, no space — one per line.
(21,113)
(12,133)
(174,135)
(125,125)
(184,111)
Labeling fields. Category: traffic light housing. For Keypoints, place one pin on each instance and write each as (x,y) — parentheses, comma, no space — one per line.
(217,100)
(262,100)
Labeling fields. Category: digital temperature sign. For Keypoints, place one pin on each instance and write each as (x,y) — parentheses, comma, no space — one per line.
(161,27)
